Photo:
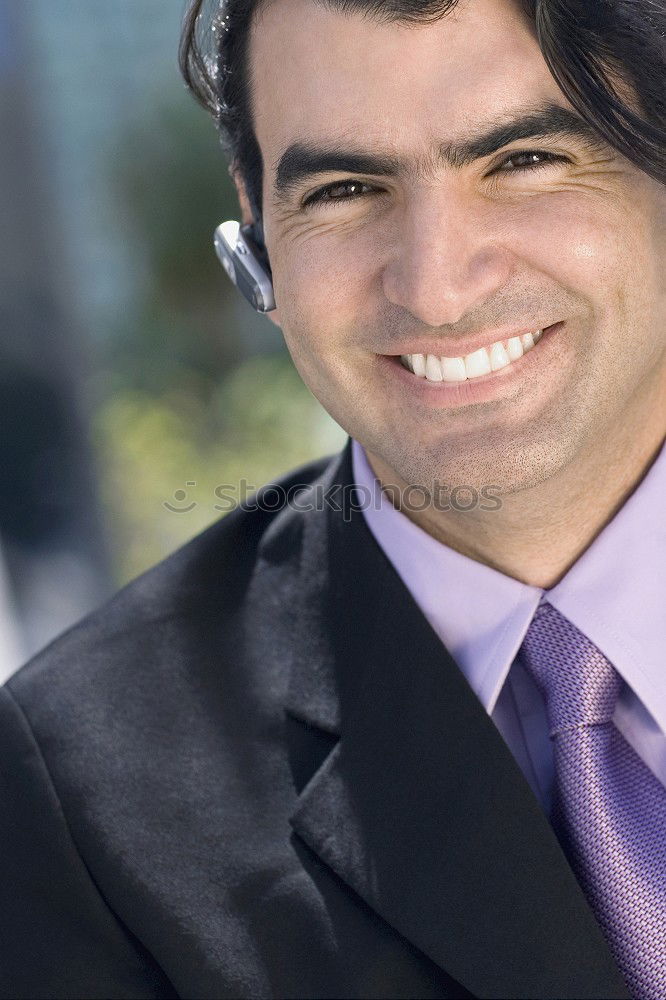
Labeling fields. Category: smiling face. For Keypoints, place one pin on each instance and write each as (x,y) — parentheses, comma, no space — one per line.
(401,219)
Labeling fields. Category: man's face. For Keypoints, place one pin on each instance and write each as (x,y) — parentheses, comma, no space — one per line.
(429,253)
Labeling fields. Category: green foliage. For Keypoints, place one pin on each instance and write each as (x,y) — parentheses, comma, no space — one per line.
(151,447)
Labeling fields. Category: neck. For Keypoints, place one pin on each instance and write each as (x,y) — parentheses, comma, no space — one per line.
(539,533)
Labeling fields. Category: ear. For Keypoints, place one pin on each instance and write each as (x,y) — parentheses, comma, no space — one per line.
(247,218)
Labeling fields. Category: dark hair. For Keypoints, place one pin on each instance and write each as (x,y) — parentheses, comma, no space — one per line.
(593,48)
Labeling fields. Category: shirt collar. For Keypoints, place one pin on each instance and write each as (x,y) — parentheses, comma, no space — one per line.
(615,593)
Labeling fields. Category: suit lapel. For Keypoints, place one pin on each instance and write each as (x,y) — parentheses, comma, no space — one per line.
(420,807)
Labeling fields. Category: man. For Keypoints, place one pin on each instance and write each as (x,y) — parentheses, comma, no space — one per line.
(406,741)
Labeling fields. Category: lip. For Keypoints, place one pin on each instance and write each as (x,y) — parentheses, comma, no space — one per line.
(450,395)
(447,349)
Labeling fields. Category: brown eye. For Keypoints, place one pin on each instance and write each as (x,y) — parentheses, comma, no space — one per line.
(530,160)
(338,191)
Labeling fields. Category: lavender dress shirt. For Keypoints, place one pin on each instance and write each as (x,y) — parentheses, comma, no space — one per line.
(615,593)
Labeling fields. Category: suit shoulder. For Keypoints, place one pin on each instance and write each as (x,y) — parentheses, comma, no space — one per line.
(201,582)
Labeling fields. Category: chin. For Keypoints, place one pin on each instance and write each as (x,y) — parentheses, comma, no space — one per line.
(509,471)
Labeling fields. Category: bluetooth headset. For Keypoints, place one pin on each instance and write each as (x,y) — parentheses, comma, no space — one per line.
(243,256)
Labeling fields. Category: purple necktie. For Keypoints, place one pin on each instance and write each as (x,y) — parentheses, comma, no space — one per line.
(609,810)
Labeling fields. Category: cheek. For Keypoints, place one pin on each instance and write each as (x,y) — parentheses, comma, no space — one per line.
(581,245)
(601,252)
(326,293)
(606,255)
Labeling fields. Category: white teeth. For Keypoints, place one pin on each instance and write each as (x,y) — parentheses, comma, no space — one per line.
(433,369)
(514,348)
(477,363)
(481,362)
(453,369)
(418,364)
(498,357)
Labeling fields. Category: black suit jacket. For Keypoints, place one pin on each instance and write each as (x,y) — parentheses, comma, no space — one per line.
(256,772)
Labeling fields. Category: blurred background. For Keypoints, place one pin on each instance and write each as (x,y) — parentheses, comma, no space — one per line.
(138,391)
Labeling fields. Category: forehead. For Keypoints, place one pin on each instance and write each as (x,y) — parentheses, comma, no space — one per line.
(319,73)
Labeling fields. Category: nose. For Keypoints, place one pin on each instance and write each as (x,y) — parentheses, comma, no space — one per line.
(445,260)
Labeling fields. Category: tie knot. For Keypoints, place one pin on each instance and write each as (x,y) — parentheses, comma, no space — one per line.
(579,684)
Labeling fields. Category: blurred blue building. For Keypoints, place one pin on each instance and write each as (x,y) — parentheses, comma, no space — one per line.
(70,71)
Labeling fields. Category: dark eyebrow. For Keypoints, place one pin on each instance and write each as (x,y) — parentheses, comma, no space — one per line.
(303,160)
